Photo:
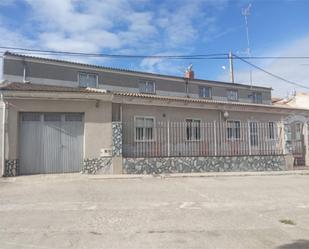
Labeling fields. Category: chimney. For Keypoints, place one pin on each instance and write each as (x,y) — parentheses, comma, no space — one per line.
(189,74)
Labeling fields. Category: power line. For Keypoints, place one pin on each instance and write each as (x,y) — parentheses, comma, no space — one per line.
(271,74)
(111,55)
(217,56)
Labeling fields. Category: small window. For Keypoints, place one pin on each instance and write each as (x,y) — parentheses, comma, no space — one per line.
(144,128)
(232,95)
(52,117)
(73,117)
(271,130)
(31,117)
(193,129)
(147,87)
(233,130)
(254,136)
(205,92)
(257,97)
(87,80)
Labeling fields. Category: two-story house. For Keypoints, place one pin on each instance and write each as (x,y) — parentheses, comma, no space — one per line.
(61,116)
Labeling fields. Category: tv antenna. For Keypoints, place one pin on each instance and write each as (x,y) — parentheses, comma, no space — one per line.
(246,13)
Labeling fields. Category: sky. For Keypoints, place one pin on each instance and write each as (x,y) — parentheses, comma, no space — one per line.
(171,27)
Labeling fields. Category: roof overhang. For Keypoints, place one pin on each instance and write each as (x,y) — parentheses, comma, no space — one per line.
(56,95)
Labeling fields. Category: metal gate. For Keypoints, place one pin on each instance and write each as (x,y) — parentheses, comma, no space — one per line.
(51,142)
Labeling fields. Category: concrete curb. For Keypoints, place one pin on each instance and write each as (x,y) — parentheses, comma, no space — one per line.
(209,174)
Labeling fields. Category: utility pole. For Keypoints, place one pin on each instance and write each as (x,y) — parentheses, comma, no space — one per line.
(231,67)
(246,13)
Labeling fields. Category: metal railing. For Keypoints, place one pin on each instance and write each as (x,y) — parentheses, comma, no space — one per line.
(197,138)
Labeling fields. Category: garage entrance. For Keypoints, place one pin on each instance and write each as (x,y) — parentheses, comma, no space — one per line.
(51,142)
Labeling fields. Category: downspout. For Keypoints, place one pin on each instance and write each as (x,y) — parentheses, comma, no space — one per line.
(24,72)
(3,134)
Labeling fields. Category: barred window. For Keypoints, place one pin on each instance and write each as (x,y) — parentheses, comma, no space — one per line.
(257,98)
(193,129)
(144,128)
(233,129)
(205,92)
(87,79)
(147,87)
(254,135)
(232,95)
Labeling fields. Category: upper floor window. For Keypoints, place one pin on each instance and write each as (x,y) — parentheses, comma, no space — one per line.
(257,97)
(147,87)
(193,129)
(87,79)
(205,92)
(232,95)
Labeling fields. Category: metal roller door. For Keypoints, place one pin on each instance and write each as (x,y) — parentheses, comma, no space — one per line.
(51,142)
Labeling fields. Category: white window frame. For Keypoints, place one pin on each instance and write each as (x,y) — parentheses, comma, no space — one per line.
(82,72)
(193,120)
(153,133)
(228,95)
(275,130)
(203,87)
(145,83)
(298,125)
(254,97)
(254,134)
(227,133)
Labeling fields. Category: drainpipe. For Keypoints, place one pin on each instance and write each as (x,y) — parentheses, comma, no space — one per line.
(24,72)
(3,133)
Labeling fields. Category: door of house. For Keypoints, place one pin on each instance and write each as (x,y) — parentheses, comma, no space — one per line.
(297,143)
(51,142)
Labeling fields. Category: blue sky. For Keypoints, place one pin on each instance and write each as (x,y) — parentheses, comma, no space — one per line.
(278,28)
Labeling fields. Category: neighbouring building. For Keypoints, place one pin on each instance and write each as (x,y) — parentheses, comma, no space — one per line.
(60,116)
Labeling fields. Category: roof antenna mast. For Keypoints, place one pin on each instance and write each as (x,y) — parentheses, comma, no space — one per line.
(246,13)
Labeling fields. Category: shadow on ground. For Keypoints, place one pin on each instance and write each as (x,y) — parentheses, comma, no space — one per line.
(298,244)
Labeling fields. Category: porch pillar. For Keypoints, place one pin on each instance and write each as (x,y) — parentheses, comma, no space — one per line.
(117,161)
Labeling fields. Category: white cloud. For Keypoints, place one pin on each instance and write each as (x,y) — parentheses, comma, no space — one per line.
(115,26)
(296,70)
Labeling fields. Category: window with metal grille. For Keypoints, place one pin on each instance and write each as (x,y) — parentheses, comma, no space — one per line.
(233,130)
(298,132)
(144,128)
(193,129)
(147,87)
(31,117)
(205,92)
(87,79)
(257,98)
(52,117)
(232,95)
(73,117)
(254,135)
(271,130)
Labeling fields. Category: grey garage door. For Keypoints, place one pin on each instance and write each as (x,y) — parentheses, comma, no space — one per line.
(51,142)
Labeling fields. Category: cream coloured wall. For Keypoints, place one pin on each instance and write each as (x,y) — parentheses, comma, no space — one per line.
(97,122)
(180,114)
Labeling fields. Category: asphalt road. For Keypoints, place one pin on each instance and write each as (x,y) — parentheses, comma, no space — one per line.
(213,212)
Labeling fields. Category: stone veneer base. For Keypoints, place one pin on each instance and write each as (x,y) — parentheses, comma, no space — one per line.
(11,167)
(101,165)
(203,164)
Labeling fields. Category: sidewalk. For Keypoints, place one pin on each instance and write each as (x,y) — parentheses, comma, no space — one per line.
(74,176)
(206,174)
